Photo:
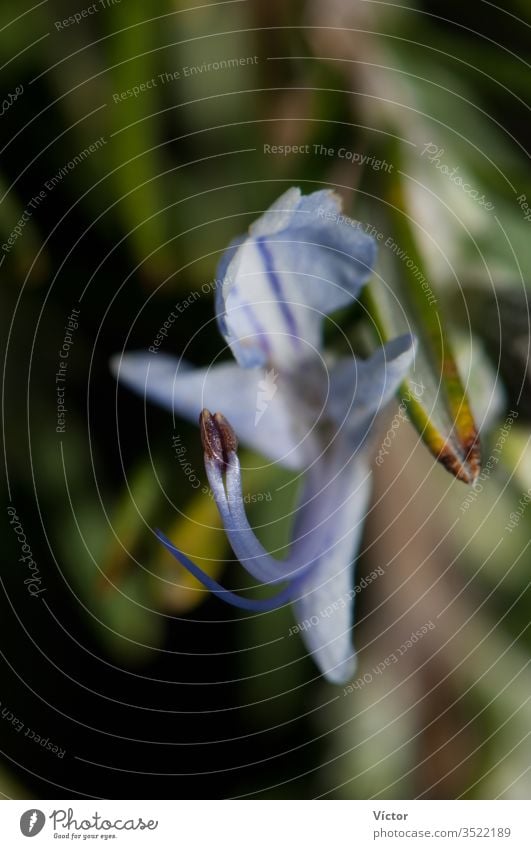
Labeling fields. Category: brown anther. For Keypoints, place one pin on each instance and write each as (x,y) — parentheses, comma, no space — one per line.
(228,437)
(217,436)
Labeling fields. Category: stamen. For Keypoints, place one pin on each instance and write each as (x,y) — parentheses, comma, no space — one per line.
(247,547)
(217,436)
(255,605)
(221,460)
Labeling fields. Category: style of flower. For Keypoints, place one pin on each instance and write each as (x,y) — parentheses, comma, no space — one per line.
(294,403)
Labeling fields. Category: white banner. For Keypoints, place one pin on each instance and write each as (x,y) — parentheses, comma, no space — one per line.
(266,824)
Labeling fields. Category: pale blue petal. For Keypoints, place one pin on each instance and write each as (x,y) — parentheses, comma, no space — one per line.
(359,389)
(325,204)
(279,214)
(224,388)
(283,280)
(221,272)
(292,210)
(328,531)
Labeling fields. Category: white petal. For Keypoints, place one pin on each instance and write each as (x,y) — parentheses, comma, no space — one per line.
(293,208)
(258,408)
(287,276)
(279,214)
(329,528)
(359,389)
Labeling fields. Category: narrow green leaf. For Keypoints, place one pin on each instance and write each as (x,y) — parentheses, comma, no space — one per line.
(440,409)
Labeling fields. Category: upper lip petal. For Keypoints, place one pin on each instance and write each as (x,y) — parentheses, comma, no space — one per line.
(299,263)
